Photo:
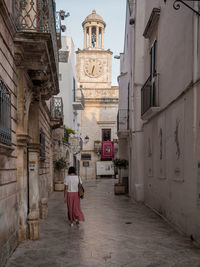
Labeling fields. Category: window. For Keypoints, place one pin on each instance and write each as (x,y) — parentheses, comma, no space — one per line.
(5,114)
(149,92)
(106,134)
(42,143)
(153,72)
(63,56)
(60,76)
(86,156)
(74,90)
(153,59)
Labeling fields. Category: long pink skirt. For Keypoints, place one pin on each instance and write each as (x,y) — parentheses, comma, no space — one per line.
(73,205)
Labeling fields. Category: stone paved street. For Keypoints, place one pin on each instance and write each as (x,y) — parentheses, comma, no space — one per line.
(117,232)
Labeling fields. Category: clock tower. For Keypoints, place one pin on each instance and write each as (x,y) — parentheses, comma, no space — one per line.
(94,74)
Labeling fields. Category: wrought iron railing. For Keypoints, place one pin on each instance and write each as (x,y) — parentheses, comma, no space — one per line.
(5,114)
(37,16)
(79,103)
(123,119)
(56,108)
(149,94)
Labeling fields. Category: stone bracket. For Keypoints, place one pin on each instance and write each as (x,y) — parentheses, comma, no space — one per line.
(6,150)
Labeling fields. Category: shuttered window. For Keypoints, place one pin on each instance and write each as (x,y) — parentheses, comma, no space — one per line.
(5,114)
(42,143)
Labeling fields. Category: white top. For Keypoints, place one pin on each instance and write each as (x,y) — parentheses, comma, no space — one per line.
(72,182)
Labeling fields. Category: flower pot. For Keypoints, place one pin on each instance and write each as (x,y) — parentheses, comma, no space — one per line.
(59,186)
(119,189)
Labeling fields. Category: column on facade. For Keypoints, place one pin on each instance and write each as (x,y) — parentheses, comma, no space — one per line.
(90,36)
(85,37)
(102,38)
(33,155)
(33,216)
(97,37)
(21,159)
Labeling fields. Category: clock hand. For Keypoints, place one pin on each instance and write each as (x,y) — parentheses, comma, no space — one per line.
(93,69)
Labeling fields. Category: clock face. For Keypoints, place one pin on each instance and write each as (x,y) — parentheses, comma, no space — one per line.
(93,68)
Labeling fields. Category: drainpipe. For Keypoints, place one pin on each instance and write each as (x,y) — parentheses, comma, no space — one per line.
(195,78)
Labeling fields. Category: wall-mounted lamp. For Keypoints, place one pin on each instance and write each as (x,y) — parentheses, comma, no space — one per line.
(63,28)
(86,139)
(117,57)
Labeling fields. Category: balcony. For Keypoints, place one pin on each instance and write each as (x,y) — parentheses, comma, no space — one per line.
(36,43)
(56,109)
(80,103)
(123,122)
(149,98)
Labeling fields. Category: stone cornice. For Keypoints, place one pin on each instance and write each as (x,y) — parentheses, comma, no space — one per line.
(79,51)
(106,122)
(22,139)
(152,22)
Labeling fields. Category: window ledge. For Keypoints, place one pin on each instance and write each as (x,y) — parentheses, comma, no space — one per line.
(150,113)
(123,133)
(152,22)
(42,158)
(6,150)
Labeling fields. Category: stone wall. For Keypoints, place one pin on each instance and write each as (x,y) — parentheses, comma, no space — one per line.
(26,178)
(8,155)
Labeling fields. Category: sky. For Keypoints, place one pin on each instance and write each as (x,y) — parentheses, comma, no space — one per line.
(113,13)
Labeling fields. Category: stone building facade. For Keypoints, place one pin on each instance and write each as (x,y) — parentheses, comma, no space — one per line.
(28,79)
(165,109)
(94,68)
(69,92)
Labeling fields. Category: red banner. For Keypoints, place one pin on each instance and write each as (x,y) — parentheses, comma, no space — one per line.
(107,150)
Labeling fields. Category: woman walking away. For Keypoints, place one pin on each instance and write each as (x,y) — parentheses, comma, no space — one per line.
(71,197)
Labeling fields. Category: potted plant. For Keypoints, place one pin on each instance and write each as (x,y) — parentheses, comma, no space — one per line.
(62,14)
(120,164)
(59,165)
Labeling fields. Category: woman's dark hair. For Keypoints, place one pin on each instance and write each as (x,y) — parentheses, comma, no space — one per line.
(71,170)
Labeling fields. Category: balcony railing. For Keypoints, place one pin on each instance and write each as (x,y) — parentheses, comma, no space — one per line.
(123,120)
(5,114)
(37,16)
(56,108)
(149,94)
(80,103)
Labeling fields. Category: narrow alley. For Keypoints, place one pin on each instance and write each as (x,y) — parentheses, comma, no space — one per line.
(117,232)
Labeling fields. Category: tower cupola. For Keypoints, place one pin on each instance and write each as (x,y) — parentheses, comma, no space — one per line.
(93,27)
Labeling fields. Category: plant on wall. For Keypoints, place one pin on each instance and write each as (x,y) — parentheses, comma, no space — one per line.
(67,132)
(120,163)
(60,164)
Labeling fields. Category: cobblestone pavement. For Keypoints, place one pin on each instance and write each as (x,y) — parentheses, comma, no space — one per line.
(117,232)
